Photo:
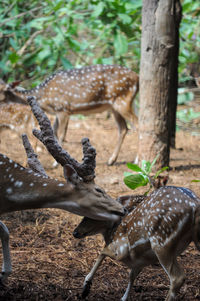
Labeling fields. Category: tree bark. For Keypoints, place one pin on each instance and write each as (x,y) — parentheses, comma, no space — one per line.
(156,79)
(174,78)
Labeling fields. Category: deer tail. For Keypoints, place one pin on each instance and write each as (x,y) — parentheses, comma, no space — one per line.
(197,228)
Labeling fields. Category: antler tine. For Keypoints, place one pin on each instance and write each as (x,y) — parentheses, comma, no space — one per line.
(32,158)
(46,136)
(89,158)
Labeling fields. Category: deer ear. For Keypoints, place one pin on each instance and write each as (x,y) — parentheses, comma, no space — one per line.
(71,175)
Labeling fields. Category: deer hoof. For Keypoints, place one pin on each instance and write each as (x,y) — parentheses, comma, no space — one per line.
(86,289)
(4,276)
(111,161)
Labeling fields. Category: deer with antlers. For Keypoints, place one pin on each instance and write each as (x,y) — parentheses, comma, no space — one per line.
(86,90)
(158,229)
(30,188)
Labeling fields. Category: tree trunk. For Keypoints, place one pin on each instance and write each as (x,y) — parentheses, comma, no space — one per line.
(156,74)
(174,79)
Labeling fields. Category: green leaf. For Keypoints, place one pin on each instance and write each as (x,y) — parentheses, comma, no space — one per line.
(14,57)
(195,181)
(134,167)
(134,181)
(184,97)
(13,43)
(127,173)
(159,171)
(39,22)
(66,63)
(58,6)
(44,53)
(120,44)
(107,60)
(146,165)
(98,9)
(75,45)
(187,115)
(154,162)
(132,6)
(126,19)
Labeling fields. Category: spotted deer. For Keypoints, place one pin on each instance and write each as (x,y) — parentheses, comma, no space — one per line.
(158,229)
(87,90)
(30,188)
(16,117)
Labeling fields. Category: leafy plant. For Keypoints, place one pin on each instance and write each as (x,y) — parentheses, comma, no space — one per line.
(184,96)
(187,115)
(189,37)
(38,38)
(142,176)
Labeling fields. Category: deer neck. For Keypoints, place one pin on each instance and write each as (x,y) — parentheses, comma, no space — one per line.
(23,189)
(23,94)
(117,244)
(110,231)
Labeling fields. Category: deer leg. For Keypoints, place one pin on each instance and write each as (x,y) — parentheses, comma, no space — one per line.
(60,126)
(122,128)
(133,274)
(6,266)
(88,279)
(175,274)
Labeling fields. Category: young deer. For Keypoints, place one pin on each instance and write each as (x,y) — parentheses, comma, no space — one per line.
(86,90)
(30,188)
(158,230)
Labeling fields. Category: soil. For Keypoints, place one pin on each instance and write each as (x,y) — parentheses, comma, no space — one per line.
(49,264)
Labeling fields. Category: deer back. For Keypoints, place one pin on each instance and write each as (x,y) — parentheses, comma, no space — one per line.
(88,88)
(165,214)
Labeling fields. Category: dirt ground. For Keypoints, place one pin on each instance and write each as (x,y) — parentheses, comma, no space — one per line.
(49,264)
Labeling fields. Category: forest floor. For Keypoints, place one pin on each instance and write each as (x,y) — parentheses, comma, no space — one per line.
(49,264)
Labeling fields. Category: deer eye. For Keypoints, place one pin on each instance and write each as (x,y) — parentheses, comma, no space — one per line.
(99,190)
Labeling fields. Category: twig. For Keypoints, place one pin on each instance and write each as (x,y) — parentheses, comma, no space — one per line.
(28,42)
(20,15)
(9,8)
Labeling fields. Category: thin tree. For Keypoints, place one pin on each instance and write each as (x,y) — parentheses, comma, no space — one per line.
(158,78)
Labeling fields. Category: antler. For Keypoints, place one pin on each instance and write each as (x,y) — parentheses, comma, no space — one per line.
(32,158)
(85,170)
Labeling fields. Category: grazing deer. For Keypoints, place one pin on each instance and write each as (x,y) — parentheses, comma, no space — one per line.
(16,117)
(30,188)
(86,90)
(159,229)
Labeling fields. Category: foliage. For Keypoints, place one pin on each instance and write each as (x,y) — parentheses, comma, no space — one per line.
(184,96)
(142,176)
(38,38)
(187,115)
(189,37)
